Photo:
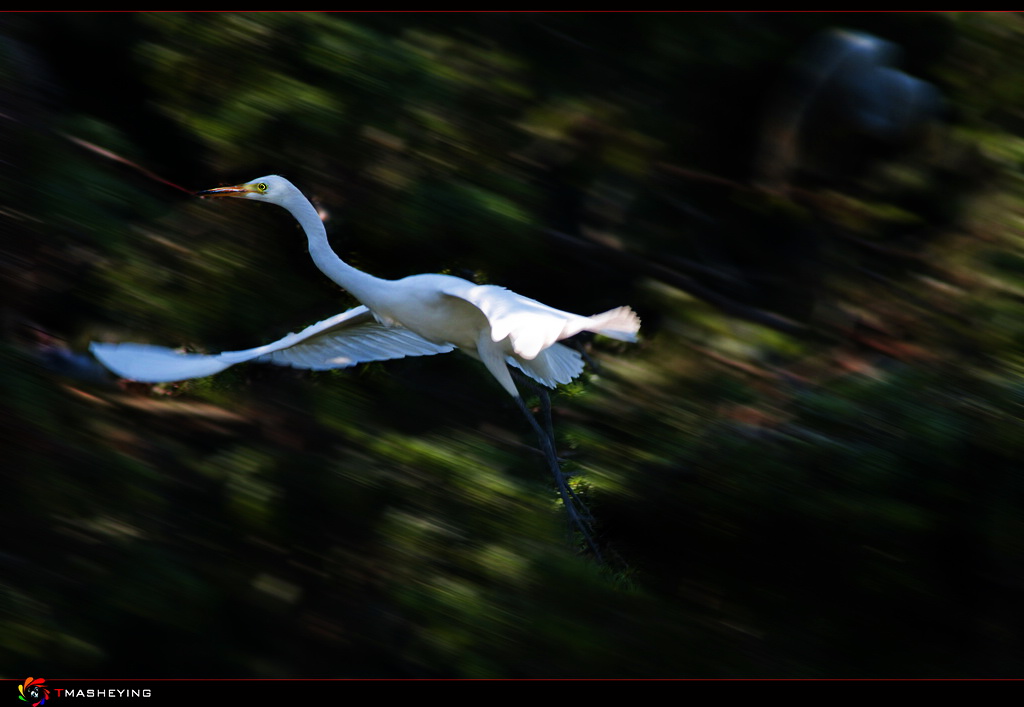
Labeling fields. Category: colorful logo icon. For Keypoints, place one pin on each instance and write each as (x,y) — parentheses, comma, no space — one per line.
(35,691)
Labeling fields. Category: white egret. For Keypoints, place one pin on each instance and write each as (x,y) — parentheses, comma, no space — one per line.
(417,315)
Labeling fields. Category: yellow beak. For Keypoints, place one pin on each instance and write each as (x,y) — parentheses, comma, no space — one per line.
(238,190)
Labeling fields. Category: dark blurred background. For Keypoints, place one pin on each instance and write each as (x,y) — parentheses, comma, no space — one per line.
(809,466)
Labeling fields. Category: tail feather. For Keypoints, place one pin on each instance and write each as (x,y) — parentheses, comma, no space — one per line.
(621,323)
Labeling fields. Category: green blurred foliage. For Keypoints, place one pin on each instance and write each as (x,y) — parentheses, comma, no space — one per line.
(809,467)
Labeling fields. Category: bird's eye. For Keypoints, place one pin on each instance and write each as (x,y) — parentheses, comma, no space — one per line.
(261,186)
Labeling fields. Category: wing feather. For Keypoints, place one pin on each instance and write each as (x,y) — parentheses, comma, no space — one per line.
(552,367)
(340,341)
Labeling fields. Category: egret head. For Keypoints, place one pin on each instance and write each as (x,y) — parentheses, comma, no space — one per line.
(272,188)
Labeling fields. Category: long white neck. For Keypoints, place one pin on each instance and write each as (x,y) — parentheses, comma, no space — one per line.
(363,286)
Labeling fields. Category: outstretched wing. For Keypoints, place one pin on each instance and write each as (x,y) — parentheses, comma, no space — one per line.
(533,326)
(337,342)
(155,364)
(340,344)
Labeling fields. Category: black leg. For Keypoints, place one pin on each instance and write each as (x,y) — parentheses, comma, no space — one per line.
(579,518)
